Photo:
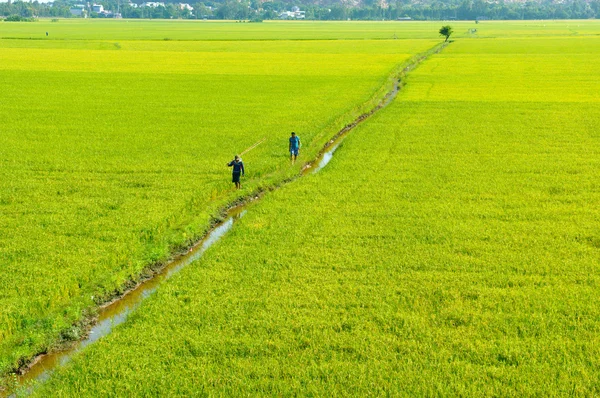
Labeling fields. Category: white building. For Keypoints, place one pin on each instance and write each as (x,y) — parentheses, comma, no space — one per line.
(185,6)
(294,14)
(97,8)
(153,4)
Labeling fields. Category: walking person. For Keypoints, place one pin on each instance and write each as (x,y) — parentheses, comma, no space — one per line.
(294,147)
(237,171)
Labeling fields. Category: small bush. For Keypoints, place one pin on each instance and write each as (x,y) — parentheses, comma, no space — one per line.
(17,18)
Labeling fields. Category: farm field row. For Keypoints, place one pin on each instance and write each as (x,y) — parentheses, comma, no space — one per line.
(449,248)
(110,160)
(86,30)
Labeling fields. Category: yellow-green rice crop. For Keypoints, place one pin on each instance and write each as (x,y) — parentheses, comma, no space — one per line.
(450,248)
(113,154)
(99,30)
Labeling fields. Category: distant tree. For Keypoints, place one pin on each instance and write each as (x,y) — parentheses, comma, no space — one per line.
(595,5)
(201,10)
(324,9)
(13,18)
(446,31)
(228,10)
(338,13)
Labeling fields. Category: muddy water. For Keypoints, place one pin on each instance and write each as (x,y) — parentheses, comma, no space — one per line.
(326,158)
(118,311)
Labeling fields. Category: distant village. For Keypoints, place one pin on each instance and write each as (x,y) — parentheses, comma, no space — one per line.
(97,10)
(294,14)
(83,10)
(258,10)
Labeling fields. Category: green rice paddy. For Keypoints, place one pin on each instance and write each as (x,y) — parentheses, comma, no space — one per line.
(449,248)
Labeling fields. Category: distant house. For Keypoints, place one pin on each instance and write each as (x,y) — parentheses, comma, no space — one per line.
(404,19)
(153,4)
(78,10)
(97,8)
(185,6)
(294,14)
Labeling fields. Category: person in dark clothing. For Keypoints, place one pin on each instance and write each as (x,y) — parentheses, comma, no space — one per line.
(237,171)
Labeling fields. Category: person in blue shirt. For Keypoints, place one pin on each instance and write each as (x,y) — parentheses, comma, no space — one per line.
(238,169)
(294,147)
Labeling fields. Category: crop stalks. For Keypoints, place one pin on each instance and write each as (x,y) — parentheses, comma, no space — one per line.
(80,330)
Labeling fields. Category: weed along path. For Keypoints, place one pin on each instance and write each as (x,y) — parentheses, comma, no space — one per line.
(118,310)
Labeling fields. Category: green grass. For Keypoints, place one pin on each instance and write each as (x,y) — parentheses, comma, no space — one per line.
(112,156)
(79,29)
(450,248)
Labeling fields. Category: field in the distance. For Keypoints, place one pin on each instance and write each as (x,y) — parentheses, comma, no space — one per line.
(449,248)
(186,30)
(113,153)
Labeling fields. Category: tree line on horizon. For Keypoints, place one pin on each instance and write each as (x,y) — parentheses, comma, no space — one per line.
(366,10)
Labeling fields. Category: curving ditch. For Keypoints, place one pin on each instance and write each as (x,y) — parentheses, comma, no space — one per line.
(116,312)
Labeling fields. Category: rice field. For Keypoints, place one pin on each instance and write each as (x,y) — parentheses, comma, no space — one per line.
(449,248)
(94,30)
(113,155)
